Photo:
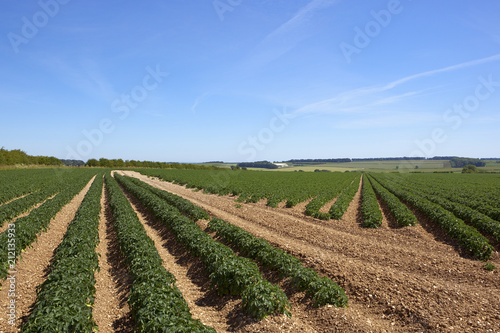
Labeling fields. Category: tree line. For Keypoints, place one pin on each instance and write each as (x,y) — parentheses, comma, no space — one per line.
(17,156)
(120,163)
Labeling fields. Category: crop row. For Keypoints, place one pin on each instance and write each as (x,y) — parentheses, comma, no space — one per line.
(468,237)
(71,274)
(480,221)
(370,211)
(229,273)
(19,182)
(477,191)
(183,205)
(340,206)
(41,188)
(155,301)
(314,206)
(403,215)
(251,186)
(14,208)
(24,231)
(322,289)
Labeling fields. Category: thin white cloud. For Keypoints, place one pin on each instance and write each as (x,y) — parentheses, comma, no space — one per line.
(441,70)
(199,100)
(343,101)
(387,120)
(303,16)
(285,37)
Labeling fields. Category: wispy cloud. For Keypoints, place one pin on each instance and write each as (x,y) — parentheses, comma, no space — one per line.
(304,15)
(199,100)
(387,120)
(441,70)
(350,100)
(286,36)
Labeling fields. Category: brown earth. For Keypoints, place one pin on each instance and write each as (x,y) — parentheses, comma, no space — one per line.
(32,269)
(411,279)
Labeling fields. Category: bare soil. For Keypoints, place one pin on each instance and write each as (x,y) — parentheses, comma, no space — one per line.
(412,279)
(32,269)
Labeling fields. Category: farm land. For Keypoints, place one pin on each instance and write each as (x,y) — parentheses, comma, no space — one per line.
(166,250)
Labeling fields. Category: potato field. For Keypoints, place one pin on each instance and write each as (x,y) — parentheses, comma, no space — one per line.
(172,250)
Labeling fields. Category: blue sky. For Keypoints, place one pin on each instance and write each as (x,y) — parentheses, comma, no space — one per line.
(241,80)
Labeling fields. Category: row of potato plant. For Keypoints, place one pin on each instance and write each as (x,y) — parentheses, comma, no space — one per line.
(468,237)
(402,214)
(340,206)
(14,208)
(71,274)
(24,231)
(19,182)
(370,211)
(229,273)
(478,220)
(314,206)
(183,205)
(251,186)
(322,289)
(155,301)
(480,192)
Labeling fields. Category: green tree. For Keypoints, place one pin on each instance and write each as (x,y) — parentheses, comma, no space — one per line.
(469,169)
(92,162)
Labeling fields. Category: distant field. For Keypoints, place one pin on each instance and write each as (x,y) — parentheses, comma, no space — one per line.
(384,166)
(375,166)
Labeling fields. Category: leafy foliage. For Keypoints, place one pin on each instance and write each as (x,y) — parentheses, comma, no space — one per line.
(480,221)
(252,186)
(340,206)
(229,273)
(372,217)
(16,156)
(468,237)
(403,215)
(276,259)
(71,274)
(459,162)
(155,301)
(183,205)
(27,228)
(314,206)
